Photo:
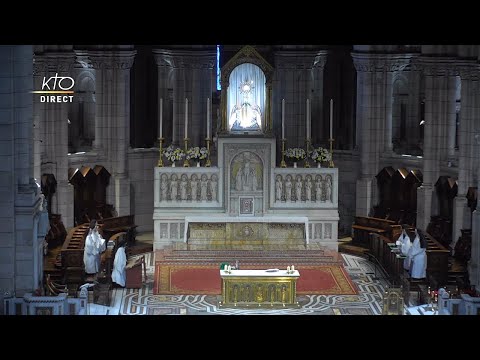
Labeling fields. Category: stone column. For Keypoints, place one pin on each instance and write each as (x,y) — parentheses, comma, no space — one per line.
(436,73)
(114,110)
(318,136)
(461,213)
(474,263)
(57,138)
(374,79)
(451,117)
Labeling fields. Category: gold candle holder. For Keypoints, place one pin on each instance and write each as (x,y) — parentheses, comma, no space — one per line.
(330,164)
(307,146)
(185,162)
(283,164)
(208,163)
(160,160)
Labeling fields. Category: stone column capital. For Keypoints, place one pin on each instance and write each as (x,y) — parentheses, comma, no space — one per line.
(115,60)
(185,59)
(381,62)
(436,66)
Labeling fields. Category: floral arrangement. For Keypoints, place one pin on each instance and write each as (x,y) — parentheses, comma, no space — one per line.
(173,154)
(321,154)
(295,153)
(197,153)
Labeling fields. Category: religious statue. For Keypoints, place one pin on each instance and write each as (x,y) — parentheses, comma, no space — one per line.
(174,188)
(298,188)
(213,187)
(183,187)
(238,180)
(288,188)
(308,188)
(278,188)
(163,186)
(203,188)
(318,188)
(194,187)
(328,188)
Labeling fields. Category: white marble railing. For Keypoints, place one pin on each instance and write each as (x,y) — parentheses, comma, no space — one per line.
(46,305)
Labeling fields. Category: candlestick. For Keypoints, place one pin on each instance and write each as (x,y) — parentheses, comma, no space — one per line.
(160,121)
(331,118)
(307,146)
(186,118)
(208,118)
(283,164)
(160,160)
(283,118)
(208,163)
(186,163)
(308,120)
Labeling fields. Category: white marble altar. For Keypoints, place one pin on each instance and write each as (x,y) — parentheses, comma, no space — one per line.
(246,186)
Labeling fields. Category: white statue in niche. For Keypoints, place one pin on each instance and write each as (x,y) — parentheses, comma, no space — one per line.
(308,188)
(194,187)
(174,188)
(278,188)
(183,187)
(213,187)
(239,180)
(328,188)
(288,188)
(318,188)
(298,188)
(203,188)
(163,186)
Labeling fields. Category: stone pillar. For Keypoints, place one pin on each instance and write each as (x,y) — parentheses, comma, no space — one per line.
(56,137)
(20,262)
(461,213)
(474,263)
(374,99)
(113,116)
(451,117)
(436,73)
(318,136)
(388,145)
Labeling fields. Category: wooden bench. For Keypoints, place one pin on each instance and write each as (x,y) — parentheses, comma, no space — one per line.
(114,225)
(365,225)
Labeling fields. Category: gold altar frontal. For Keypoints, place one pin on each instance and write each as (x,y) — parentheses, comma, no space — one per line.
(259,289)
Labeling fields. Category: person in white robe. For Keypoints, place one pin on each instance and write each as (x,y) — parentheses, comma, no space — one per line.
(119,272)
(405,244)
(418,256)
(94,246)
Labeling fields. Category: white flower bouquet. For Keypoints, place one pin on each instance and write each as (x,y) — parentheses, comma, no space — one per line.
(295,154)
(197,153)
(173,154)
(321,154)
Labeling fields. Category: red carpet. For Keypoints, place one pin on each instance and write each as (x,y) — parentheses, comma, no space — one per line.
(176,279)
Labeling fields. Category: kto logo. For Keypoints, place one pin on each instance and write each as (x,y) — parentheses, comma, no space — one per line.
(56,85)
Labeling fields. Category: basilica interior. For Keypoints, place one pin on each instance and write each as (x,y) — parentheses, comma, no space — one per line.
(217,167)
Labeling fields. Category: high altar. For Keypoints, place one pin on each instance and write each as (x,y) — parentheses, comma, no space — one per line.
(245,198)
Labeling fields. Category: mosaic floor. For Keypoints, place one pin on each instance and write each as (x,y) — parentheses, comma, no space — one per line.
(143,302)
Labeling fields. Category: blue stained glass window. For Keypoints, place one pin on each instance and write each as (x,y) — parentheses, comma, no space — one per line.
(219,87)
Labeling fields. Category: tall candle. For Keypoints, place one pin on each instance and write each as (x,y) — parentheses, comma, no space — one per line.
(160,119)
(331,118)
(208,118)
(283,118)
(308,119)
(186,118)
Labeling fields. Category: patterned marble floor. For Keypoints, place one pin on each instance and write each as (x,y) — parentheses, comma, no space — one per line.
(143,302)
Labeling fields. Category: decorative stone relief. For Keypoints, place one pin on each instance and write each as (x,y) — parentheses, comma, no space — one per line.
(328,231)
(184,187)
(246,172)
